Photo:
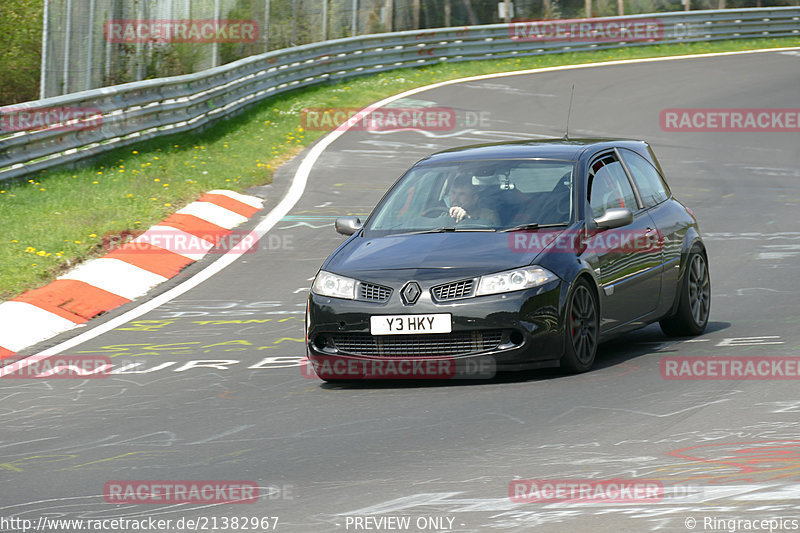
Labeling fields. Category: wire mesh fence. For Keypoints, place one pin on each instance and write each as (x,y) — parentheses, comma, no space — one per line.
(97,43)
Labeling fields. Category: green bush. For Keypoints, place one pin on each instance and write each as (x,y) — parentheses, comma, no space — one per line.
(21,53)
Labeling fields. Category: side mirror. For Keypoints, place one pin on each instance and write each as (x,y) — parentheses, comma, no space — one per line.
(614,218)
(348,225)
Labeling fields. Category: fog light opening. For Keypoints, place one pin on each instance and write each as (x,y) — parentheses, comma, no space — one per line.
(516,338)
(320,342)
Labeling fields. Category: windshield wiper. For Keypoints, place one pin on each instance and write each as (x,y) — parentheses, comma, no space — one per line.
(532,225)
(443,230)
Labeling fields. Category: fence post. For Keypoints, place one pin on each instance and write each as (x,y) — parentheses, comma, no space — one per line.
(45,31)
(266,25)
(90,52)
(67,42)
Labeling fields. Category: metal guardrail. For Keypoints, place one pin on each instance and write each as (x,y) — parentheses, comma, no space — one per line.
(133,112)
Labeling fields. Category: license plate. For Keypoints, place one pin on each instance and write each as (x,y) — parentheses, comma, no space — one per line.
(410,324)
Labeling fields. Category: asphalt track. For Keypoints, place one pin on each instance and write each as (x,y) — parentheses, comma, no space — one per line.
(324,455)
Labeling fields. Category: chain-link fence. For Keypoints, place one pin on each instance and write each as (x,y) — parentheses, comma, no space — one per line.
(97,43)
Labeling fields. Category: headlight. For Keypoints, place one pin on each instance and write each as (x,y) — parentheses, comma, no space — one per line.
(327,284)
(514,280)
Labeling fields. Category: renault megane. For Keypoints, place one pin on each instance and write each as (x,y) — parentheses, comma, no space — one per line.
(528,254)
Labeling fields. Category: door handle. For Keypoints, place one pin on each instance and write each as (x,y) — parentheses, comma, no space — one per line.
(652,236)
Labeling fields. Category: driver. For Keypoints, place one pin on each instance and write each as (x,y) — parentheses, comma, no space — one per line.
(463,198)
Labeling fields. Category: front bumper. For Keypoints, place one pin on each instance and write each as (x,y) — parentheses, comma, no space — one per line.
(516,330)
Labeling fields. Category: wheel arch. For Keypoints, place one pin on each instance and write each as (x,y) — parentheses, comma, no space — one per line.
(691,241)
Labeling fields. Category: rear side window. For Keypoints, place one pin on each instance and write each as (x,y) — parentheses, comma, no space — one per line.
(649,182)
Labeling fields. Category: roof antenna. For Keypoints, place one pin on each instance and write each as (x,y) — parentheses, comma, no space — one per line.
(569,111)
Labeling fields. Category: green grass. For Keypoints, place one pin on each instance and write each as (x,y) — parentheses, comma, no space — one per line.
(59,218)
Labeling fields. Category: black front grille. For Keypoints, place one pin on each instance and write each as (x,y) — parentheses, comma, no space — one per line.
(373,293)
(453,291)
(418,345)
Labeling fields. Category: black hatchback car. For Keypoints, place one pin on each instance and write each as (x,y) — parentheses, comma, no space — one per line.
(528,254)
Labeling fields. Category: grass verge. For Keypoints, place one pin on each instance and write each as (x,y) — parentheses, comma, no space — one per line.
(59,218)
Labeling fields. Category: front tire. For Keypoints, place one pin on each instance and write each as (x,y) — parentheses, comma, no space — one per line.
(582,329)
(695,300)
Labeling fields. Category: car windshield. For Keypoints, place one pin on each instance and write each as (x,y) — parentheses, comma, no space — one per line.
(477,196)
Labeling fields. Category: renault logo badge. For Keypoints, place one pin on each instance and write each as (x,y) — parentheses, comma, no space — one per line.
(410,293)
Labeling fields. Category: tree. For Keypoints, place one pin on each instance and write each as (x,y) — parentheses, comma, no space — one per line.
(21,53)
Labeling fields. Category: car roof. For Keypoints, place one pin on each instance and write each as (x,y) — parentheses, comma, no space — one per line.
(570,149)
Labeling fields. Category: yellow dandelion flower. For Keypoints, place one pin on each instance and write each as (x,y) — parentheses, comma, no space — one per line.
(95,182)
(167,205)
(77,242)
(135,152)
(42,189)
(156,179)
(93,235)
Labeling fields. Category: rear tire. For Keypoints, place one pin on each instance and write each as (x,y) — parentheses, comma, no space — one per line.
(582,329)
(695,300)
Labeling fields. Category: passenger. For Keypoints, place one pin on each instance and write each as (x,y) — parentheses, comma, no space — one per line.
(463,197)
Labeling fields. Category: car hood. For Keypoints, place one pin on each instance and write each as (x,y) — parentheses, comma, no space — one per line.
(460,254)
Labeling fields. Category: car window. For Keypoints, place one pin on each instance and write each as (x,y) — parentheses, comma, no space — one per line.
(609,186)
(649,182)
(535,177)
(494,194)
